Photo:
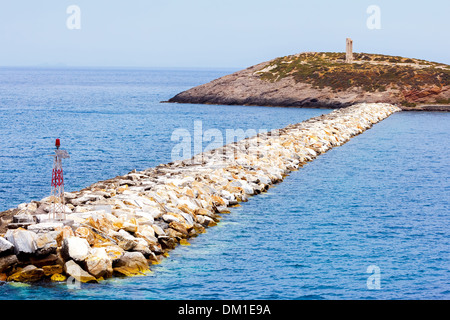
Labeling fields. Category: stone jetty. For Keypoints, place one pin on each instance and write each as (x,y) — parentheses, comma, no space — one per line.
(121,226)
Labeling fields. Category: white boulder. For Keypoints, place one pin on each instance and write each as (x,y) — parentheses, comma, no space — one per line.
(24,241)
(75,248)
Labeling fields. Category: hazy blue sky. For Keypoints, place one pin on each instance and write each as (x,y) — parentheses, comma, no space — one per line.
(208,33)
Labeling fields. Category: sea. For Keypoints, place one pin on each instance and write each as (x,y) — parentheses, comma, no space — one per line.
(366,220)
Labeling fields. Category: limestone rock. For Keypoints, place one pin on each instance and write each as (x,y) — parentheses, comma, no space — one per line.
(28,207)
(156,248)
(67,232)
(143,247)
(46,243)
(204,212)
(205,221)
(147,230)
(57,277)
(167,242)
(85,233)
(158,230)
(45,227)
(146,217)
(114,252)
(222,209)
(130,225)
(264,179)
(170,218)
(184,242)
(50,259)
(148,234)
(84,198)
(52,270)
(24,241)
(131,263)
(198,228)
(6,247)
(75,248)
(122,188)
(74,270)
(28,274)
(188,218)
(172,233)
(23,217)
(99,264)
(180,227)
(125,240)
(7,262)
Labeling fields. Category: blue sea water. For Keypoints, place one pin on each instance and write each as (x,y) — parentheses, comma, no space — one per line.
(382,199)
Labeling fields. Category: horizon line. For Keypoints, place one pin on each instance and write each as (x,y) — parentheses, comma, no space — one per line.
(63,66)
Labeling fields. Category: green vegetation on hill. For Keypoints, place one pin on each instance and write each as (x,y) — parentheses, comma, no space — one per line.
(371,72)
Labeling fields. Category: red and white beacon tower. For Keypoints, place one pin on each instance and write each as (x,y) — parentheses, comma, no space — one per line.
(57,211)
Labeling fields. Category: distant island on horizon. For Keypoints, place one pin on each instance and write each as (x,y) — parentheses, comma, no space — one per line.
(327,80)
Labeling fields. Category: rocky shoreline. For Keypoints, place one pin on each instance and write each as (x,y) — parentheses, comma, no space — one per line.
(121,226)
(440,108)
(331,105)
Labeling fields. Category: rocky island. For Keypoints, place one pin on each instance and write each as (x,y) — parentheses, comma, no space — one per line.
(326,80)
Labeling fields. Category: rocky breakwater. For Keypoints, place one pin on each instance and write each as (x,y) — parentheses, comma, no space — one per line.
(120,226)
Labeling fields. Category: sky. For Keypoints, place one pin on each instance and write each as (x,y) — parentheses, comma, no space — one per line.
(214,33)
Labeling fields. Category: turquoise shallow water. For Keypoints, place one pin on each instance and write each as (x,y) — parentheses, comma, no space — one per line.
(381,199)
